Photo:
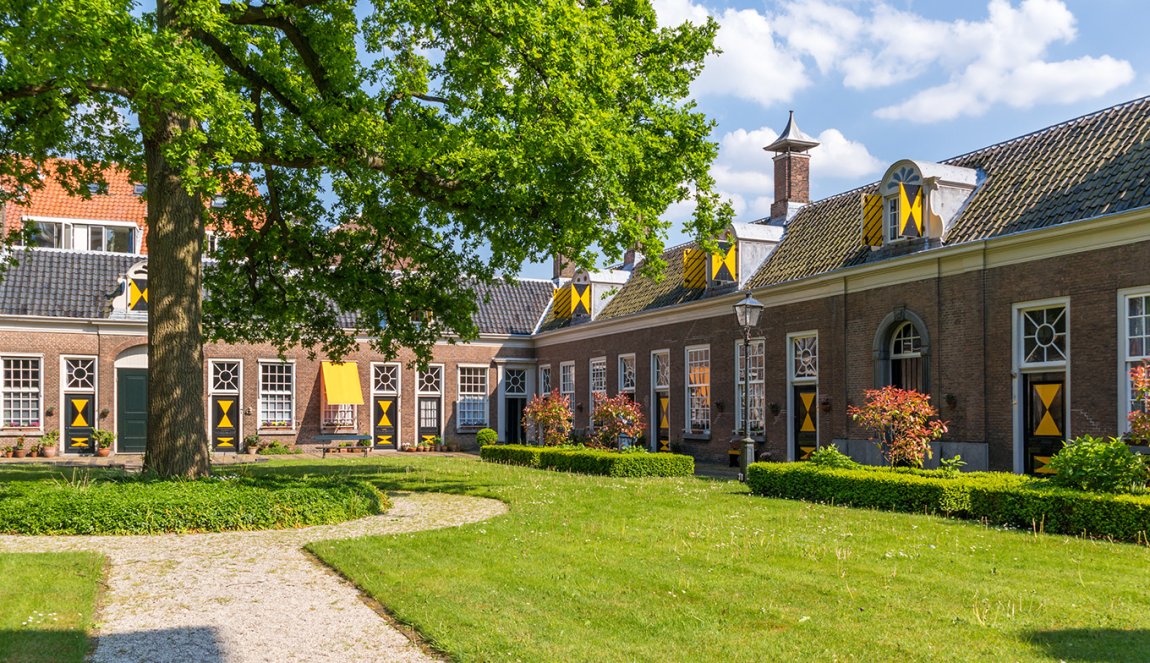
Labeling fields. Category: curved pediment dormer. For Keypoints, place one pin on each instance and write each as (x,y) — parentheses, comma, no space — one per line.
(916,199)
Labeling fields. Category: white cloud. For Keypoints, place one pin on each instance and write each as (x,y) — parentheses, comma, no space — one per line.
(837,156)
(970,66)
(751,66)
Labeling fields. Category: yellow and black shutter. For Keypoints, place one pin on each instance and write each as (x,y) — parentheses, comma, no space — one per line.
(871,219)
(581,299)
(694,268)
(724,263)
(909,210)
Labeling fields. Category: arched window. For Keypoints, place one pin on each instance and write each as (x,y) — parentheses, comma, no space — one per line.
(906,358)
(902,352)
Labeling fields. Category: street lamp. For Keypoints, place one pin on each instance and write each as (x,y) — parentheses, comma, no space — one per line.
(747,312)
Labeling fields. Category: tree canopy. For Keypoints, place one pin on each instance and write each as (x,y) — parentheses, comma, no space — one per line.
(377,160)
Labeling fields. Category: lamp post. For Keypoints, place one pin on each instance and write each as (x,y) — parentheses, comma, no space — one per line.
(747,312)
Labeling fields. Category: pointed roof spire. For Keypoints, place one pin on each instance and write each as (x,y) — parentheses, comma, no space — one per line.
(792,139)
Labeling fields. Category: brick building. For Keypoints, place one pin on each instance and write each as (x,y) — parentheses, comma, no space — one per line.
(1009,283)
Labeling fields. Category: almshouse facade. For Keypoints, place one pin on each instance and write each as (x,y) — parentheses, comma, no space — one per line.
(1010,284)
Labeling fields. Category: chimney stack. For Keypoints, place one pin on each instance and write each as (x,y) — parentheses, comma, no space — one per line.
(564,269)
(792,171)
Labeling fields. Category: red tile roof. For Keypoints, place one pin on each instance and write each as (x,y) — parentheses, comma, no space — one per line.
(120,203)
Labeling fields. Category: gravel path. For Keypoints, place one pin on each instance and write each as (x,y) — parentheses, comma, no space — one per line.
(249,596)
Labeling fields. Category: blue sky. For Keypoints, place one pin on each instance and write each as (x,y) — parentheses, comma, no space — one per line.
(876,82)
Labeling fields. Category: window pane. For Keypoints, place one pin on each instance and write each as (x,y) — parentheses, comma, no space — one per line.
(47,235)
(699,390)
(96,238)
(80,374)
(21,402)
(119,239)
(277,387)
(515,381)
(385,379)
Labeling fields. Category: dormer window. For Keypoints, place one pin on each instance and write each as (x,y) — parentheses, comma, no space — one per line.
(139,188)
(96,188)
(106,236)
(916,199)
(902,191)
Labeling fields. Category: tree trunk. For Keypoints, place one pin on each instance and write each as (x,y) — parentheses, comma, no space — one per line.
(177,438)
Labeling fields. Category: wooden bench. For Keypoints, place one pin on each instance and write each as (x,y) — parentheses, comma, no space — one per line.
(345,437)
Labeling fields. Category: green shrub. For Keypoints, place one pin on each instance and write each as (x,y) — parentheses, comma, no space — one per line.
(830,456)
(1091,463)
(997,498)
(486,436)
(136,505)
(593,461)
(511,454)
(277,448)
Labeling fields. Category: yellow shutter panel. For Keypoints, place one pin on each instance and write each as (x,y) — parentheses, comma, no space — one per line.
(694,268)
(724,264)
(561,302)
(871,219)
(341,383)
(581,299)
(909,210)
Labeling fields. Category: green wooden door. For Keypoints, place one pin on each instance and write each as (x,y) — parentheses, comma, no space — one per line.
(131,409)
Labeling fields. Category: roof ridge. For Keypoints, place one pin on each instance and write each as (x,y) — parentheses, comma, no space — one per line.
(1052,127)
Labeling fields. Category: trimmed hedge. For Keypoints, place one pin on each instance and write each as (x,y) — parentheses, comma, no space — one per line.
(592,461)
(1003,499)
(135,505)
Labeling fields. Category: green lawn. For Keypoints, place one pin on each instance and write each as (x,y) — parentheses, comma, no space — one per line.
(591,568)
(47,605)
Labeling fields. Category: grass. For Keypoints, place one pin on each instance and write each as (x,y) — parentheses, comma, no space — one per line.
(47,605)
(593,568)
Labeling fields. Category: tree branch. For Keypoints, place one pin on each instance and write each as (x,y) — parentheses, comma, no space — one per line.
(249,14)
(255,78)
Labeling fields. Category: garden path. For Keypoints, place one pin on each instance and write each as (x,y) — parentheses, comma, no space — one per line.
(249,596)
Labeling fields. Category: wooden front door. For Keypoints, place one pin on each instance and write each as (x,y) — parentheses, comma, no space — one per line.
(79,421)
(131,410)
(225,423)
(386,408)
(1044,420)
(805,423)
(429,418)
(662,419)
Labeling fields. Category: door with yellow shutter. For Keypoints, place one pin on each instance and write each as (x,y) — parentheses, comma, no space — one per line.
(1045,420)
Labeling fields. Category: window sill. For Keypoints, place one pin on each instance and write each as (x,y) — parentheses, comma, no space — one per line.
(276,431)
(696,437)
(470,428)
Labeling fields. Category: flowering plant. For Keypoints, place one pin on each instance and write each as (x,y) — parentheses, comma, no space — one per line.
(549,417)
(904,421)
(614,417)
(1140,418)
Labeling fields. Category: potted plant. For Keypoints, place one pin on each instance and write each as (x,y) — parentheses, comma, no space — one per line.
(252,443)
(34,450)
(6,451)
(103,439)
(49,444)
(18,451)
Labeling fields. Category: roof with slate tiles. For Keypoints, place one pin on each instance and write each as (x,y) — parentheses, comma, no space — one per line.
(79,284)
(512,308)
(64,284)
(1087,167)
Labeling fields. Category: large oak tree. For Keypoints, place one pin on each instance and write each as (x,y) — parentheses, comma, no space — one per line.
(378,160)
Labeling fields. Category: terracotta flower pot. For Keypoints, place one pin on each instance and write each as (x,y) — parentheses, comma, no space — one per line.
(103,452)
(19,453)
(48,452)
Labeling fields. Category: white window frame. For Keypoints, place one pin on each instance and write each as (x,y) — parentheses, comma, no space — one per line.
(212,390)
(1126,361)
(569,393)
(624,388)
(705,404)
(593,388)
(655,386)
(1018,367)
(421,393)
(39,428)
(78,390)
(382,392)
(794,379)
(653,442)
(67,231)
(545,385)
(761,382)
(471,397)
(891,210)
(261,428)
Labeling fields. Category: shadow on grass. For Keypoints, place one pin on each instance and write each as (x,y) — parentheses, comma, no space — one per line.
(1094,645)
(50,646)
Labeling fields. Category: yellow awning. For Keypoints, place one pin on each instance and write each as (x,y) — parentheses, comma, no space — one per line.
(341,383)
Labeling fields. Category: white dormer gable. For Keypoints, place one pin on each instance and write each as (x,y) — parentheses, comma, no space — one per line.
(754,242)
(917,199)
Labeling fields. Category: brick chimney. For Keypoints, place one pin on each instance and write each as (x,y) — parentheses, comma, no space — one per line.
(792,171)
(564,269)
